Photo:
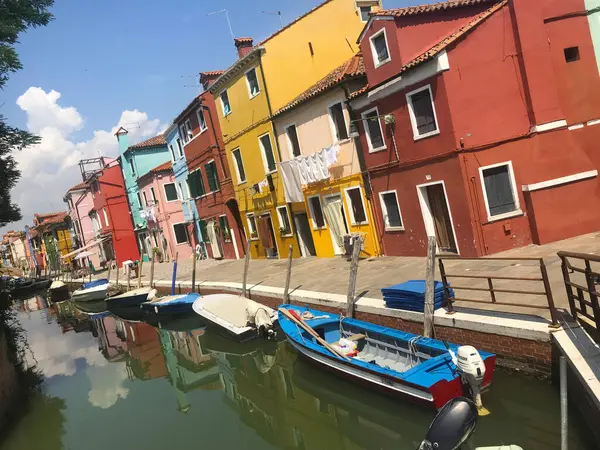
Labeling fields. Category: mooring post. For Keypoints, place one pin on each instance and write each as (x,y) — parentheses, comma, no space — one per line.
(109,267)
(117,263)
(246,263)
(356,245)
(429,287)
(194,272)
(90,273)
(564,424)
(128,277)
(152,271)
(288,276)
(140,267)
(174,278)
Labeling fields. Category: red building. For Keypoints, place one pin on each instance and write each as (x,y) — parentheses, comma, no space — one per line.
(110,217)
(478,124)
(209,179)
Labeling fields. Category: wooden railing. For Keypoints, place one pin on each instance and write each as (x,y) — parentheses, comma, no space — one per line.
(492,290)
(578,303)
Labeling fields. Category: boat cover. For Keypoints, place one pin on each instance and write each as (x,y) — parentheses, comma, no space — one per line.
(410,295)
(95,283)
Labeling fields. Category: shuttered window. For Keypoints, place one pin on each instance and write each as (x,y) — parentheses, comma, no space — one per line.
(373,128)
(336,113)
(354,197)
(181,234)
(498,184)
(293,142)
(316,212)
(224,225)
(204,231)
(267,150)
(196,184)
(170,193)
(391,210)
(239,165)
(211,176)
(422,106)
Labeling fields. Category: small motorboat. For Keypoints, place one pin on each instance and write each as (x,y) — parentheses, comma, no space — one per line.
(93,290)
(133,298)
(176,323)
(20,286)
(171,304)
(236,317)
(58,291)
(91,306)
(408,365)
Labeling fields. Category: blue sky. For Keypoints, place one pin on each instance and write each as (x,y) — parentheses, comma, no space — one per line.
(109,57)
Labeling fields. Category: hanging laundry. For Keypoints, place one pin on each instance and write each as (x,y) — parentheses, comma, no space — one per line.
(263,185)
(322,166)
(331,154)
(292,184)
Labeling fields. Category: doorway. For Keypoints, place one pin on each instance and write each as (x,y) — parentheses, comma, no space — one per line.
(333,208)
(437,216)
(215,241)
(305,239)
(266,233)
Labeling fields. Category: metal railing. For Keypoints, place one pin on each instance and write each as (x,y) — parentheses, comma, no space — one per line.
(492,290)
(578,303)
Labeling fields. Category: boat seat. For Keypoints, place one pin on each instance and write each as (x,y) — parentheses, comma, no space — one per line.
(353,338)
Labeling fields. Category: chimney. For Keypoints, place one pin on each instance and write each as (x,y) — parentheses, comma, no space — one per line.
(243,45)
(207,79)
(123,139)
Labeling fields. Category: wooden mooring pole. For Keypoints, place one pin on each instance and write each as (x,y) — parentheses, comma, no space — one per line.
(140,267)
(246,263)
(128,277)
(117,263)
(356,245)
(109,267)
(429,287)
(152,270)
(194,272)
(288,276)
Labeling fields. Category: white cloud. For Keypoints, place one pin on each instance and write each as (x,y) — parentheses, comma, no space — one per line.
(50,168)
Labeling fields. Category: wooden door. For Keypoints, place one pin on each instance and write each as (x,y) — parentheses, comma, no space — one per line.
(441,218)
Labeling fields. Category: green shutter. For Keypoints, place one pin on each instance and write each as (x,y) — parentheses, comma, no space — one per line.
(211,176)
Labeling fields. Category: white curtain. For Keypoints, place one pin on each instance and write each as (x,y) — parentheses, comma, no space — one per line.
(214,243)
(332,208)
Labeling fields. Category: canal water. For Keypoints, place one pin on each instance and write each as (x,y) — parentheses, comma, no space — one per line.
(110,383)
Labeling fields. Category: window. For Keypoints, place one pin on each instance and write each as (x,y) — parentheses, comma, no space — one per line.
(391,210)
(364,13)
(201,120)
(170,192)
(211,176)
(316,212)
(131,166)
(145,198)
(293,144)
(267,153)
(105,216)
(374,133)
(224,225)
(225,103)
(354,199)
(379,48)
(172,151)
(252,226)
(571,54)
(181,234)
(336,115)
(284,221)
(196,183)
(204,231)
(422,112)
(239,165)
(180,148)
(182,133)
(252,83)
(500,190)
(181,192)
(188,130)
(153,195)
(139,199)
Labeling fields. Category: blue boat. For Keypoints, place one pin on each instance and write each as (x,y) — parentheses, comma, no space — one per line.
(172,304)
(91,291)
(408,365)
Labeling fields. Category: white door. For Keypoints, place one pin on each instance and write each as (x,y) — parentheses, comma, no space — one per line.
(214,240)
(333,208)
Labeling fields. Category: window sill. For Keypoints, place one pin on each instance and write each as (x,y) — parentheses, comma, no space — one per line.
(426,135)
(382,63)
(289,235)
(254,96)
(508,215)
(242,182)
(253,239)
(182,243)
(378,149)
(392,229)
(319,228)
(226,114)
(359,224)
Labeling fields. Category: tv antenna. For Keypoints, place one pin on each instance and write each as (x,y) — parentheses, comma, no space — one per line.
(275,13)
(224,11)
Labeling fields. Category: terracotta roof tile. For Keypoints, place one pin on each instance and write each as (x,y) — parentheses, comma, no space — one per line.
(242,40)
(352,68)
(78,187)
(444,43)
(434,7)
(212,73)
(152,142)
(163,167)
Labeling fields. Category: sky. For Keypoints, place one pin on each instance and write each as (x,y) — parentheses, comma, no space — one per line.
(104,64)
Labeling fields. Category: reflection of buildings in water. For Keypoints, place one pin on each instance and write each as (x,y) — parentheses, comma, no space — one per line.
(69,319)
(111,338)
(145,360)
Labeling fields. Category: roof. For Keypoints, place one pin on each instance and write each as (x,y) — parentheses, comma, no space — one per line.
(434,7)
(444,43)
(242,40)
(78,187)
(212,73)
(152,142)
(51,218)
(163,167)
(352,68)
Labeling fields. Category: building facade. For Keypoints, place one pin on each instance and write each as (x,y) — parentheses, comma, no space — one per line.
(53,239)
(478,124)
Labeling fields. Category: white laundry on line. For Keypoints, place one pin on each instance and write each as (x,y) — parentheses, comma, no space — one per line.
(292,185)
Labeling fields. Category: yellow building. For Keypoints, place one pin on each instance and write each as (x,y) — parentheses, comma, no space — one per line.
(335,199)
(264,79)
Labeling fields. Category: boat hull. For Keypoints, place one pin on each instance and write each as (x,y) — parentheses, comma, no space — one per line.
(92,296)
(128,302)
(215,327)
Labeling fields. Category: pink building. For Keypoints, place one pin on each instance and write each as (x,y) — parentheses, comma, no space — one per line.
(167,229)
(80,202)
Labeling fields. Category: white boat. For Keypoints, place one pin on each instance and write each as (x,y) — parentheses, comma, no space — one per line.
(235,316)
(94,290)
(58,291)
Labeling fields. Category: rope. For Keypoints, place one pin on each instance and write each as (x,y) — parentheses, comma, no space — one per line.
(412,350)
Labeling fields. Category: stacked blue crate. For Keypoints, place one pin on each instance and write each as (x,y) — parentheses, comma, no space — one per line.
(410,296)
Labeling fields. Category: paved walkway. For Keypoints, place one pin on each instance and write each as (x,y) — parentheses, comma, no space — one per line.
(331,274)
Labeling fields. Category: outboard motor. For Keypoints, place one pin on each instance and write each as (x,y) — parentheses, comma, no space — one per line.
(452,426)
(472,370)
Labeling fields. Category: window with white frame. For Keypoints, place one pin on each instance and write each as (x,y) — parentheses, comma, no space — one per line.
(285,227)
(316,212)
(188,130)
(292,138)
(180,148)
(354,198)
(201,120)
(182,195)
(374,132)
(500,190)
(183,134)
(364,13)
(338,121)
(139,199)
(422,112)
(252,82)
(170,192)
(392,218)
(145,198)
(252,226)
(153,193)
(239,165)
(181,233)
(225,103)
(172,151)
(105,216)
(379,48)
(267,153)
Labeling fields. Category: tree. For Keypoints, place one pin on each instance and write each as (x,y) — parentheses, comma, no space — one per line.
(16,16)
